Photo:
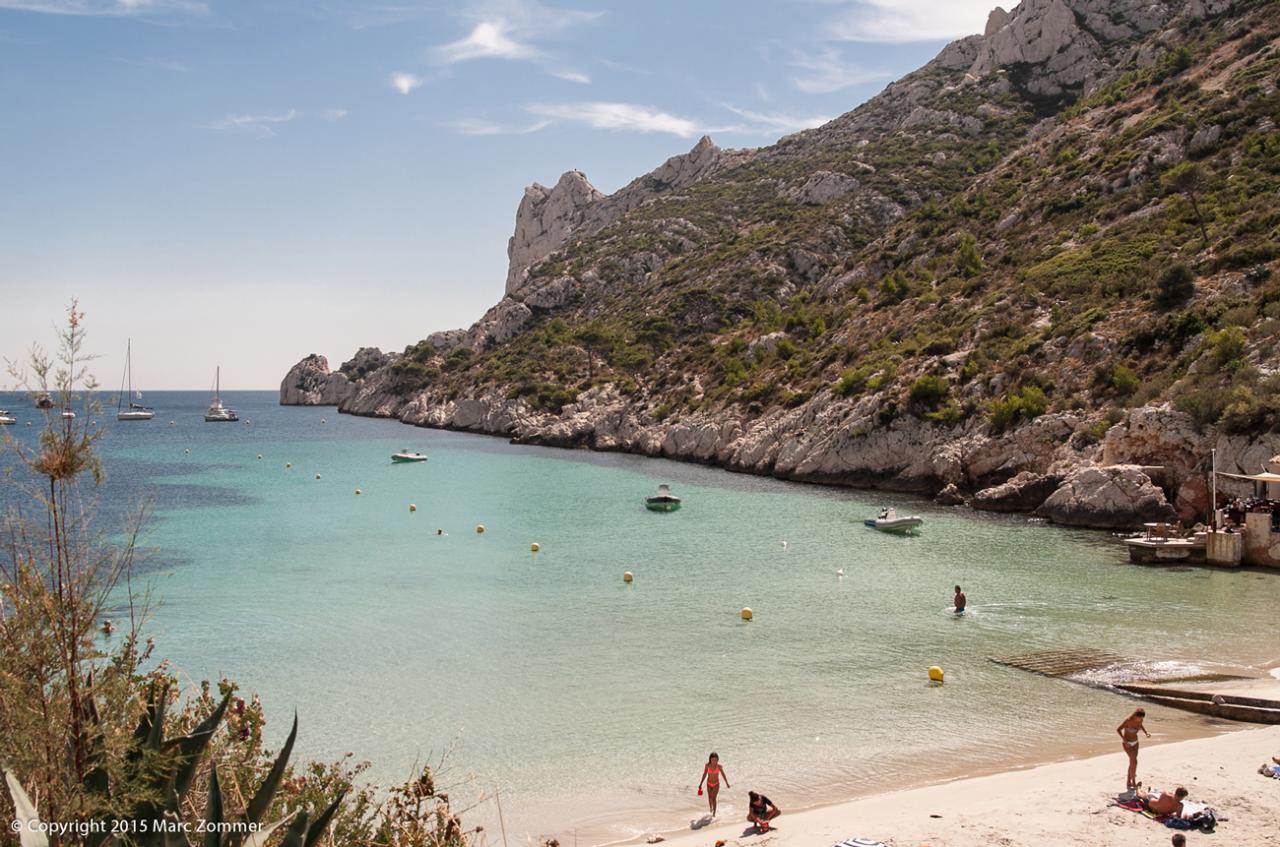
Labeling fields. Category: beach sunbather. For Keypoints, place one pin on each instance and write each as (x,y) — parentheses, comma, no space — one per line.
(1165,803)
(712,773)
(960,600)
(761,810)
(1128,732)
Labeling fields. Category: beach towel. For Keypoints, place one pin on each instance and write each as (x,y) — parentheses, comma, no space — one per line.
(858,842)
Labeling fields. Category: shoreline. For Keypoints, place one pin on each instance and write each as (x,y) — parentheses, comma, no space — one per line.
(1066,801)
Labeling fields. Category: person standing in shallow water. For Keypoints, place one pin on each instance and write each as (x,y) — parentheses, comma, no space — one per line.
(712,773)
(1128,732)
(960,601)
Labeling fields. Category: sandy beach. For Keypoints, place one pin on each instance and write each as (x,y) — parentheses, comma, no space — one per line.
(1064,803)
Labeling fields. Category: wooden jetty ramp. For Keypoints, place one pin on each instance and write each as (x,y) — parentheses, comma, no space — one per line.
(1075,664)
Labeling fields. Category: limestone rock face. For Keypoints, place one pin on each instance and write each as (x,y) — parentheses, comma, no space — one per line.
(364,362)
(549,217)
(1024,493)
(1056,46)
(821,188)
(544,220)
(500,324)
(310,383)
(1112,497)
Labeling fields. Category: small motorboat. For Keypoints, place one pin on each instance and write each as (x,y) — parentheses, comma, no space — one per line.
(68,415)
(7,419)
(890,521)
(663,501)
(408,456)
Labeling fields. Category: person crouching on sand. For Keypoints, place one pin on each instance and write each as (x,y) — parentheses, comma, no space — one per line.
(761,810)
(1128,732)
(712,773)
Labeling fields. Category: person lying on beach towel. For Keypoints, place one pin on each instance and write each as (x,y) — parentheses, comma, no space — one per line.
(1163,803)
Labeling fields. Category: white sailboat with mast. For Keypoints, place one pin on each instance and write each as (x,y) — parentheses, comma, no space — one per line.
(218,413)
(135,411)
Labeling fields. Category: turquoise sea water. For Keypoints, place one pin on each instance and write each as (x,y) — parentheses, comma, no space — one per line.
(591,704)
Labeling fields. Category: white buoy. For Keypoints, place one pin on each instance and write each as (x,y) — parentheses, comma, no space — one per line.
(358,491)
(413,507)
(188,450)
(840,572)
(317,476)
(322,420)
(784,545)
(259,455)
(288,465)
(171,423)
(480,529)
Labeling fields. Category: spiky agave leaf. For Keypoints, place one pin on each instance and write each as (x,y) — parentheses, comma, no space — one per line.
(260,838)
(297,833)
(262,798)
(190,748)
(25,810)
(317,829)
(213,810)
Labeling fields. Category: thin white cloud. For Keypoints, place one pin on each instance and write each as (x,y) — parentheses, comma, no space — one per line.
(825,70)
(507,29)
(618,117)
(333,114)
(571,76)
(488,40)
(479,126)
(769,123)
(404,82)
(257,124)
(108,8)
(904,21)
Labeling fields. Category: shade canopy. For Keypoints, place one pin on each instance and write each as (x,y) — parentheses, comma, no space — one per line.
(1264,476)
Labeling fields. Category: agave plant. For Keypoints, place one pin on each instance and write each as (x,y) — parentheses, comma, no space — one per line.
(166,768)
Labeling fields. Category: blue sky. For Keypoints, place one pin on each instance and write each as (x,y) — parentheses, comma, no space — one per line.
(246,182)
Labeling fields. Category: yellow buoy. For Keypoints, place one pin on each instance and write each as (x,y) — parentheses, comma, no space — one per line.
(357,491)
(535,547)
(413,507)
(747,614)
(935,673)
(479,529)
(628,576)
(317,476)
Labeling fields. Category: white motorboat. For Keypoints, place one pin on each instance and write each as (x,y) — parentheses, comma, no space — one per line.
(890,521)
(218,413)
(7,419)
(408,456)
(68,415)
(135,411)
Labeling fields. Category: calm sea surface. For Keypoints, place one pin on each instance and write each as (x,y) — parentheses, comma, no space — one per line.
(591,704)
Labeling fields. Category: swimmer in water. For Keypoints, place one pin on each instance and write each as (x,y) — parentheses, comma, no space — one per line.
(960,601)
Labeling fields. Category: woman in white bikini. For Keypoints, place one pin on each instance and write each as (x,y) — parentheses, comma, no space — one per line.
(1128,732)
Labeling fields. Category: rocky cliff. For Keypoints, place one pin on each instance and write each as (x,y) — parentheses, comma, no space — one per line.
(1037,274)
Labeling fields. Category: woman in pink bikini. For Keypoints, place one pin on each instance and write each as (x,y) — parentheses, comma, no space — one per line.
(712,773)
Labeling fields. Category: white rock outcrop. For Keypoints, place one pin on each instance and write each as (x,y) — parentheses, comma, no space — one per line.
(310,383)
(1112,497)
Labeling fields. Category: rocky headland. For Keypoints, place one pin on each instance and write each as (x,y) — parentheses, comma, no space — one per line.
(1036,275)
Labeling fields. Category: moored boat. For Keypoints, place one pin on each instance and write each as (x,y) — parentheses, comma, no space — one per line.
(405,456)
(663,501)
(890,521)
(135,411)
(7,419)
(218,413)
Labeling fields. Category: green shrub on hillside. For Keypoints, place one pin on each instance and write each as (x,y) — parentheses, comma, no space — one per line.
(1176,285)
(1026,403)
(927,392)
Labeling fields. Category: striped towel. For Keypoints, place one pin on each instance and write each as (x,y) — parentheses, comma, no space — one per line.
(858,842)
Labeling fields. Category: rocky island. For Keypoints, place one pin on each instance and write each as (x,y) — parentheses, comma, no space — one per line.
(1037,275)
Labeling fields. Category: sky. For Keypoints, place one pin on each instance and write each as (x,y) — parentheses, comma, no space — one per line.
(243,183)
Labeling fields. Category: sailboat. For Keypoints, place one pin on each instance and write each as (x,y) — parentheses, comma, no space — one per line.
(135,411)
(217,413)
